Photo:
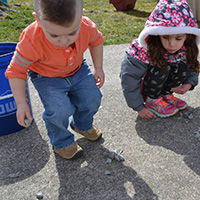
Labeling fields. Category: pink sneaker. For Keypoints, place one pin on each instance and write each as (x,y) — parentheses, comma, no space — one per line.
(161,108)
(176,102)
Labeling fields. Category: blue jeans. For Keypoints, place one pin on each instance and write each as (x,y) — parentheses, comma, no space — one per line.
(76,96)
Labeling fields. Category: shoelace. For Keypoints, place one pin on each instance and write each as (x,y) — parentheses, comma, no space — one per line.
(161,104)
(172,98)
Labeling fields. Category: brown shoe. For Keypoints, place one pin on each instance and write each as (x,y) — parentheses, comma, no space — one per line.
(93,134)
(71,152)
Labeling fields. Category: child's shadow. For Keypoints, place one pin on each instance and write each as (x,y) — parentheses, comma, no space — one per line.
(176,134)
(22,155)
(85,179)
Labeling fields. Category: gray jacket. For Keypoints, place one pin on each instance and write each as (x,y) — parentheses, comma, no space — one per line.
(132,73)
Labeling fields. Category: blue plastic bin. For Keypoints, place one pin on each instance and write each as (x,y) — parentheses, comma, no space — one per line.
(8,108)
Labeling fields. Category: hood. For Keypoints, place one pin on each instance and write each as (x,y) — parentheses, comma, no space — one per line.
(170,17)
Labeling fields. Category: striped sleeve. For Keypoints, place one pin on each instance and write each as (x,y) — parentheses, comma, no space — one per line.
(21,61)
(24,56)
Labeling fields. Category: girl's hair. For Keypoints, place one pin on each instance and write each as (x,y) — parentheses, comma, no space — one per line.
(157,52)
(57,11)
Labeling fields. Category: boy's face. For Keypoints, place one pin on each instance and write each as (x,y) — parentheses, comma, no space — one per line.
(61,35)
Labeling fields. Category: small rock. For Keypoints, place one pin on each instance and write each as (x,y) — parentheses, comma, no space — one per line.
(27,122)
(180,116)
(107,172)
(186,114)
(190,116)
(117,157)
(121,157)
(120,151)
(16,175)
(197,134)
(112,155)
(39,195)
(106,152)
(108,161)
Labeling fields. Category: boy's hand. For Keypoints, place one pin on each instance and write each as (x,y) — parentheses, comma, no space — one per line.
(99,77)
(181,89)
(23,112)
(18,87)
(145,113)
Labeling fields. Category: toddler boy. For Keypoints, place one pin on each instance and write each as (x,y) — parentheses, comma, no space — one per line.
(51,51)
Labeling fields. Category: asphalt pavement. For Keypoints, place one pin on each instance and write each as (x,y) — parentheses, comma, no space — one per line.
(161,156)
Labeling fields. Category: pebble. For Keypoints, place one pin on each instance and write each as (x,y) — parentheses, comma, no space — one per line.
(114,155)
(109,160)
(119,157)
(197,134)
(39,195)
(190,116)
(16,175)
(180,116)
(107,172)
(111,156)
(27,122)
(186,115)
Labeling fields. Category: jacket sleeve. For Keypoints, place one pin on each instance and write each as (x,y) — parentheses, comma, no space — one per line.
(193,79)
(132,73)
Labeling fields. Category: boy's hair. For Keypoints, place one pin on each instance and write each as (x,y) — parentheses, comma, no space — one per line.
(157,51)
(57,11)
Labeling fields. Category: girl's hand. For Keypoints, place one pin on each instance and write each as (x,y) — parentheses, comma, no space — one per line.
(145,113)
(23,112)
(181,89)
(99,77)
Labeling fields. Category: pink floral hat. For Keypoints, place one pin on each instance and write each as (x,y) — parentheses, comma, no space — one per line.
(170,17)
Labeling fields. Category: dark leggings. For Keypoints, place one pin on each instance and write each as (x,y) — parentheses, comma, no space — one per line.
(159,81)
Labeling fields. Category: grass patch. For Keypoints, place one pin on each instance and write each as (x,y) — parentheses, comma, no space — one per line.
(117,27)
(13,23)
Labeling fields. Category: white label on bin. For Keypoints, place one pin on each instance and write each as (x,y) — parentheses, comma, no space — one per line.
(6,97)
(8,107)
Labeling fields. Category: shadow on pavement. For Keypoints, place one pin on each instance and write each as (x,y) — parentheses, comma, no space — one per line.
(22,154)
(85,178)
(176,134)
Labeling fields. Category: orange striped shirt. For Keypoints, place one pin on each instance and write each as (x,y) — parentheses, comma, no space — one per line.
(34,52)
